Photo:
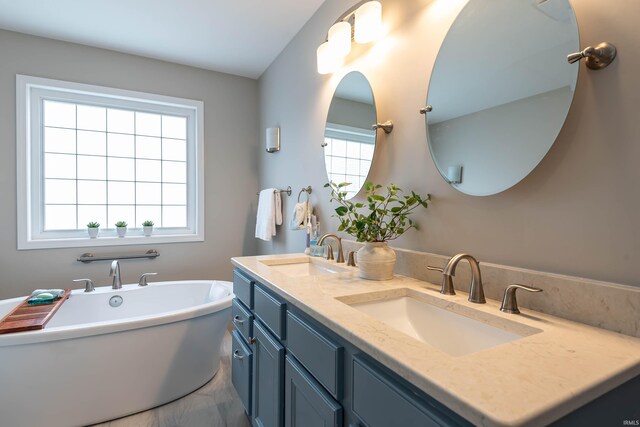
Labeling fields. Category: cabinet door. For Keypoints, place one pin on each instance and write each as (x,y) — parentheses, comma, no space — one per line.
(268,378)
(241,365)
(306,403)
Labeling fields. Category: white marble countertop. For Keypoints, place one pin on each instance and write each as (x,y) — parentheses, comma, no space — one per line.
(531,381)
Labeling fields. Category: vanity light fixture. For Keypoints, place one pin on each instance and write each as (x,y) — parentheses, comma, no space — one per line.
(362,23)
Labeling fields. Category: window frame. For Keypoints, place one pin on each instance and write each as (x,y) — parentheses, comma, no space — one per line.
(30,94)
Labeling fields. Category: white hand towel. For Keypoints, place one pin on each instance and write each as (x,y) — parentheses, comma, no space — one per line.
(278,208)
(269,214)
(299,215)
(265,219)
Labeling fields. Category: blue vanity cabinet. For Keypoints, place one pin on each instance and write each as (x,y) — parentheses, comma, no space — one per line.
(305,375)
(242,320)
(241,368)
(243,288)
(268,378)
(307,403)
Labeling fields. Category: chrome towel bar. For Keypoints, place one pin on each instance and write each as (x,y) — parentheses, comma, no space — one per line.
(89,257)
(288,191)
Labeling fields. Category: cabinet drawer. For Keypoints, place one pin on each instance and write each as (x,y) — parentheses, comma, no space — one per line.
(243,288)
(321,356)
(242,319)
(271,311)
(241,365)
(380,402)
(306,402)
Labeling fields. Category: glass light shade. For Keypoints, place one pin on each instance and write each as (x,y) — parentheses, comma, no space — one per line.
(328,61)
(340,38)
(368,22)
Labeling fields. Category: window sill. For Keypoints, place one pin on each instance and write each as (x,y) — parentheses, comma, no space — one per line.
(84,242)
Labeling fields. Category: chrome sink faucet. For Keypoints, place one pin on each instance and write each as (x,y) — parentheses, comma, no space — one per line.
(476,292)
(115,273)
(330,251)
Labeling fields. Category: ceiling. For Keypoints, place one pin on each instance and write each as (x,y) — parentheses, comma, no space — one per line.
(240,37)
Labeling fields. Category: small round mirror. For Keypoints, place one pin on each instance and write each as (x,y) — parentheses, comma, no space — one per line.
(349,142)
(500,91)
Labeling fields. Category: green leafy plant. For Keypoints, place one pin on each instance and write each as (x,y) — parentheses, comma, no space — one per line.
(148,223)
(93,224)
(120,224)
(382,218)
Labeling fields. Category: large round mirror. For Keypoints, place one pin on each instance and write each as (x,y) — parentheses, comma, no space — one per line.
(349,141)
(500,91)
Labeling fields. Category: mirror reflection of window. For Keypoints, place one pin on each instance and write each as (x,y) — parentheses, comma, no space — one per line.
(348,154)
(349,141)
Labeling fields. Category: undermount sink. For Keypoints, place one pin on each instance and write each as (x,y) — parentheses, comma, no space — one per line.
(447,327)
(301,267)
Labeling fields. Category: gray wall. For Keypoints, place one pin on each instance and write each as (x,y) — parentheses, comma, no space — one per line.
(576,213)
(498,146)
(231,180)
(351,113)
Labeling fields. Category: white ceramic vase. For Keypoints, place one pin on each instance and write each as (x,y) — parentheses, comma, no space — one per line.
(148,230)
(121,231)
(376,261)
(93,232)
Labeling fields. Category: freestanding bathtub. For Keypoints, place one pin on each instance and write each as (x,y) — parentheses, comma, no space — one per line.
(94,362)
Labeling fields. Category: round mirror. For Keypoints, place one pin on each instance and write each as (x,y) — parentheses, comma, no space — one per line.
(349,141)
(500,91)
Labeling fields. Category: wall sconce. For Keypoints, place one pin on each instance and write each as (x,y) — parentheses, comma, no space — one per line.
(273,140)
(362,23)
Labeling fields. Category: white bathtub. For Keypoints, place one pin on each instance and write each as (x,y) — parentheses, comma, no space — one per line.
(94,362)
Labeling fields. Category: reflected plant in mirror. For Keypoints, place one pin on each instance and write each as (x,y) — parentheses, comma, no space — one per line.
(496,113)
(349,141)
(381,219)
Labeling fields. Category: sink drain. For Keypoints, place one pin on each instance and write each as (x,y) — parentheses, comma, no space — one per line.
(115,301)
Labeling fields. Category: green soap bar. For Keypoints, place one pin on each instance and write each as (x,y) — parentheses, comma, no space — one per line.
(44,295)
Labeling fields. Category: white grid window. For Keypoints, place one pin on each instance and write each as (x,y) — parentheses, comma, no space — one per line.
(348,153)
(99,154)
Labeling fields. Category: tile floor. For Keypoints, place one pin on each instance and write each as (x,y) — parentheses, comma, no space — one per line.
(216,404)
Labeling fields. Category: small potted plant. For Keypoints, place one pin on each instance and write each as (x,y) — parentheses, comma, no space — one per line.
(93,228)
(121,228)
(147,227)
(380,219)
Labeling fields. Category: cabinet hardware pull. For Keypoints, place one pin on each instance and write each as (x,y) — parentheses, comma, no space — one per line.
(237,320)
(252,340)
(237,355)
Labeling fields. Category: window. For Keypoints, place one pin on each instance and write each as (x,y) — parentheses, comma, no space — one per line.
(89,153)
(348,153)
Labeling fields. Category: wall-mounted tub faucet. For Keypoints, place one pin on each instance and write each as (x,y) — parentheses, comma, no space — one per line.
(88,284)
(476,292)
(115,273)
(143,279)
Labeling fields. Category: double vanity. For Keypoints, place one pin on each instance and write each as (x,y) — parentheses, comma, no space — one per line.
(316,345)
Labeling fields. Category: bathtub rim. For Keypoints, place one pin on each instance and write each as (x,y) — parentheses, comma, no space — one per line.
(121,325)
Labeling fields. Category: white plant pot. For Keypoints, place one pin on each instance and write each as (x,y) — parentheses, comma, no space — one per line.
(121,231)
(147,229)
(93,232)
(376,261)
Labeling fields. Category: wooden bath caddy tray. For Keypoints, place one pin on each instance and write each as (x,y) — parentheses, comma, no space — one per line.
(27,317)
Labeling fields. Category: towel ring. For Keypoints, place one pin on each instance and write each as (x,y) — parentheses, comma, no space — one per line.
(305,190)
